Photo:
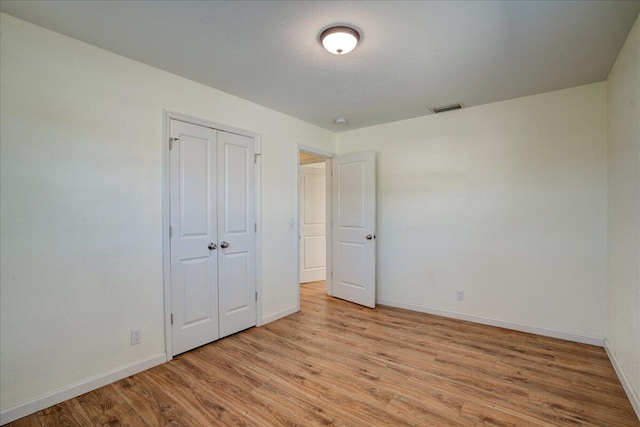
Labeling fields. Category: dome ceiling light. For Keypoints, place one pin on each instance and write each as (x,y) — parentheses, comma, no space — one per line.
(339,40)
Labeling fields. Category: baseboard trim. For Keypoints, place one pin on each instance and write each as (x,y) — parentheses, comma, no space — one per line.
(279,315)
(626,385)
(62,394)
(584,339)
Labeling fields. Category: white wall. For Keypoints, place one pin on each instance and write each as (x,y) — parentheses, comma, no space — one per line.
(506,201)
(623,108)
(81,205)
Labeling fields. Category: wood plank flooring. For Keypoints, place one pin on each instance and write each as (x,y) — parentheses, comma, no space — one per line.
(335,363)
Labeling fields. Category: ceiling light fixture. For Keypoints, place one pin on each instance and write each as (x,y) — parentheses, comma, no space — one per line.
(339,40)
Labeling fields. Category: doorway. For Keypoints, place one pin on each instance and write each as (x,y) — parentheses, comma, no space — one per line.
(312,219)
(314,214)
(350,224)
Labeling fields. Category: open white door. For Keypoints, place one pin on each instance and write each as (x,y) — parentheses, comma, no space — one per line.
(353,229)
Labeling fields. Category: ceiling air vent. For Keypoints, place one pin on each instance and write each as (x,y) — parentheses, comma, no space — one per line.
(447,108)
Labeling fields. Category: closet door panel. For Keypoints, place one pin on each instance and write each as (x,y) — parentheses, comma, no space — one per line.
(236,219)
(194,222)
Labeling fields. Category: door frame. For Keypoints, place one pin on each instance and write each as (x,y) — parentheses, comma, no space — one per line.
(328,173)
(166,219)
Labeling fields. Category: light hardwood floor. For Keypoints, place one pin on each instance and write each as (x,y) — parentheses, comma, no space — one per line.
(336,363)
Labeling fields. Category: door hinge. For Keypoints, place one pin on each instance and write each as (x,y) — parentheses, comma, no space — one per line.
(171,142)
(172,318)
(255,158)
(255,227)
(256,295)
(170,232)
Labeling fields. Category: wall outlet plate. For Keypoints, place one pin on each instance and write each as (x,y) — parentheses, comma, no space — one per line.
(136,336)
(460,295)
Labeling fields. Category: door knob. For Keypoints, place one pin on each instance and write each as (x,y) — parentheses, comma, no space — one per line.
(370,236)
(224,245)
(212,246)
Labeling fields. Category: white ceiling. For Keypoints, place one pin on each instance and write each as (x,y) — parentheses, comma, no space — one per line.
(412,56)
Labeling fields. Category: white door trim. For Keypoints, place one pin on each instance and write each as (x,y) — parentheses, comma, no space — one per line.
(328,156)
(166,243)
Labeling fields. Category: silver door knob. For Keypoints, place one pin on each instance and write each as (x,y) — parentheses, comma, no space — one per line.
(224,245)
(212,246)
(370,236)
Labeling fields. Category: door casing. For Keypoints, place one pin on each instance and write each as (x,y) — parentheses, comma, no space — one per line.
(166,243)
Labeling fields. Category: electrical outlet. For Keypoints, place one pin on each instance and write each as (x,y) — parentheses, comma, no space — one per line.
(136,336)
(460,295)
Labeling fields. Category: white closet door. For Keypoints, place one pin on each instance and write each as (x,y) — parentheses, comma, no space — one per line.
(313,227)
(194,271)
(236,222)
(353,229)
